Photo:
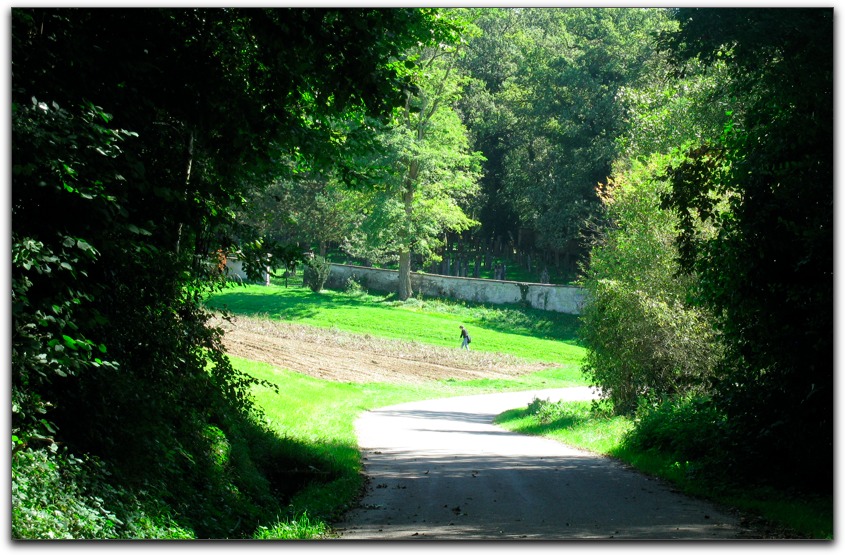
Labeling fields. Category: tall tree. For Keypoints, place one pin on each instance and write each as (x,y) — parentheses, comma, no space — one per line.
(492,59)
(431,169)
(548,118)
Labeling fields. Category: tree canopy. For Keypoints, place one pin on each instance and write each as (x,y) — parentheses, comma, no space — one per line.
(745,114)
(768,269)
(136,135)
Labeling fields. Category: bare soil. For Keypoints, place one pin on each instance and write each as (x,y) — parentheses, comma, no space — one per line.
(339,356)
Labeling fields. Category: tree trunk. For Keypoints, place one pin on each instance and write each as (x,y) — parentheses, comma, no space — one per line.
(404,290)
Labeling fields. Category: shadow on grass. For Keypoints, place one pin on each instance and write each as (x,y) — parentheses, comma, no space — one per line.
(536,427)
(282,303)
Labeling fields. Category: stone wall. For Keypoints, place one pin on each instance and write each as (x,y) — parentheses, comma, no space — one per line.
(235,271)
(557,298)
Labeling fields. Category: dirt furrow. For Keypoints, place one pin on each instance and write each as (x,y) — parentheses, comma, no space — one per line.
(344,357)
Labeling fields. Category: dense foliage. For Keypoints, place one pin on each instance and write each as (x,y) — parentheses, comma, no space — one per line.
(768,270)
(743,214)
(646,342)
(148,144)
(135,133)
(546,113)
(316,273)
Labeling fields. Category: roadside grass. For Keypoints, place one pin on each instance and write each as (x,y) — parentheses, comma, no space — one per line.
(316,419)
(580,425)
(574,423)
(318,416)
(515,330)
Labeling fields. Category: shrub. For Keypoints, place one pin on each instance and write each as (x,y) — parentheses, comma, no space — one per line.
(643,337)
(353,287)
(642,346)
(60,496)
(689,428)
(548,412)
(316,273)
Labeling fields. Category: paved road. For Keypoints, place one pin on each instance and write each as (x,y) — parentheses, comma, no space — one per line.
(441,470)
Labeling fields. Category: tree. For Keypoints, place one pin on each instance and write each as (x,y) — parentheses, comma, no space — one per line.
(645,341)
(139,131)
(431,171)
(491,60)
(549,116)
(306,209)
(768,269)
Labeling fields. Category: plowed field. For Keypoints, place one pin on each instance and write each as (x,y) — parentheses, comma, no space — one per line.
(344,357)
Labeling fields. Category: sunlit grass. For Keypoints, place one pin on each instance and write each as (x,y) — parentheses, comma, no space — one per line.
(316,417)
(518,331)
(301,527)
(573,423)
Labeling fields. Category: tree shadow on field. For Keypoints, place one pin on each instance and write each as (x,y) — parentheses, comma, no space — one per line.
(298,303)
(287,304)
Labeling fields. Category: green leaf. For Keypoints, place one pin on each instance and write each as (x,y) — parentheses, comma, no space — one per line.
(48,426)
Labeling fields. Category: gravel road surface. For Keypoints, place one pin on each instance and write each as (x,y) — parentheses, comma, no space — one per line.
(441,470)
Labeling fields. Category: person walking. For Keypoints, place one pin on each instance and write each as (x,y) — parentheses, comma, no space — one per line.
(465,338)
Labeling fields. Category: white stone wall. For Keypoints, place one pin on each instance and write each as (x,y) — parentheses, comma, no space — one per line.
(235,271)
(557,298)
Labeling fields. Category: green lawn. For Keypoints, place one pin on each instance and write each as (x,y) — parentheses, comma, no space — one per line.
(315,417)
(525,333)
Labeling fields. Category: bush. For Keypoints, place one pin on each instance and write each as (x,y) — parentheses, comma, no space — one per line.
(688,429)
(353,287)
(60,496)
(643,337)
(316,273)
(642,346)
(548,412)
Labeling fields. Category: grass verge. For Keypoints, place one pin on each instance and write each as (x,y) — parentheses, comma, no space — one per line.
(316,418)
(783,514)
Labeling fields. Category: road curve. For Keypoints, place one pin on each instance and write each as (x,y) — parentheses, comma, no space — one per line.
(441,470)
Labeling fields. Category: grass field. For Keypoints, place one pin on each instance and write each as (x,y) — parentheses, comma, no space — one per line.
(525,333)
(316,416)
